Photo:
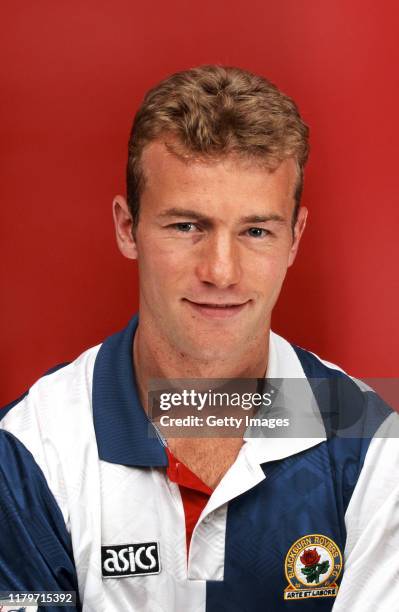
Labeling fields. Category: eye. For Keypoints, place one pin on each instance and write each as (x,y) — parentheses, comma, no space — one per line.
(185,227)
(257,232)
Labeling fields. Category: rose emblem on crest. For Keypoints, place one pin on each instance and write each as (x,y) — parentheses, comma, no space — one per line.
(312,568)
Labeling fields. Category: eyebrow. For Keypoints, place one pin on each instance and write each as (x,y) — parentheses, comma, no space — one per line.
(262,218)
(193,214)
(184,212)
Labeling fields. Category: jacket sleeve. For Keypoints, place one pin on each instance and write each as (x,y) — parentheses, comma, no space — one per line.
(35,546)
(371,571)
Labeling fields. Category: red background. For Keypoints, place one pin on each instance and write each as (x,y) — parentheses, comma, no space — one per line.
(72,76)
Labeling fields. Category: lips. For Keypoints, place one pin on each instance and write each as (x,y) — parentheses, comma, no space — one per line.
(214,310)
(218,305)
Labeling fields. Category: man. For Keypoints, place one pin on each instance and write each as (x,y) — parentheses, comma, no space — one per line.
(91,501)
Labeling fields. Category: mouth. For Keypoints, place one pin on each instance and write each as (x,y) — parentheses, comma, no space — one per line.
(217,311)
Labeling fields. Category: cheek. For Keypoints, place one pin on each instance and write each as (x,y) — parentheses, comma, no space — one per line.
(267,272)
(162,266)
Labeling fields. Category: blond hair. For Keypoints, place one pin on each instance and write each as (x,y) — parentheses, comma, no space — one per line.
(214,111)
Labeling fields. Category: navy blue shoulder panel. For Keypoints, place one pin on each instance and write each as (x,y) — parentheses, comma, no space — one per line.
(351,418)
(35,547)
(7,408)
(347,410)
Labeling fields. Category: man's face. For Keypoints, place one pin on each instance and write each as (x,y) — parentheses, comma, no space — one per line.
(213,242)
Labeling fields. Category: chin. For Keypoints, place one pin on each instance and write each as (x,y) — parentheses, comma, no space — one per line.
(212,350)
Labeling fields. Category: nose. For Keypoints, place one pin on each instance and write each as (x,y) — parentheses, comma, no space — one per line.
(219,261)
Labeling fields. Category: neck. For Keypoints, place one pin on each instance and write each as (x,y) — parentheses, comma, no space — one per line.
(155,357)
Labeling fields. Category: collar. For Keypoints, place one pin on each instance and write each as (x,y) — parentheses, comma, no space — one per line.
(126,436)
(294,401)
(124,433)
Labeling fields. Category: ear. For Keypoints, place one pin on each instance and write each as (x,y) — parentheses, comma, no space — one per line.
(124,227)
(298,231)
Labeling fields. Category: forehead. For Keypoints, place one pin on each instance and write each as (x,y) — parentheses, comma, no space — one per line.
(229,178)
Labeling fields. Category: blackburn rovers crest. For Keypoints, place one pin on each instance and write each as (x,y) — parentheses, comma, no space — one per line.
(312,567)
